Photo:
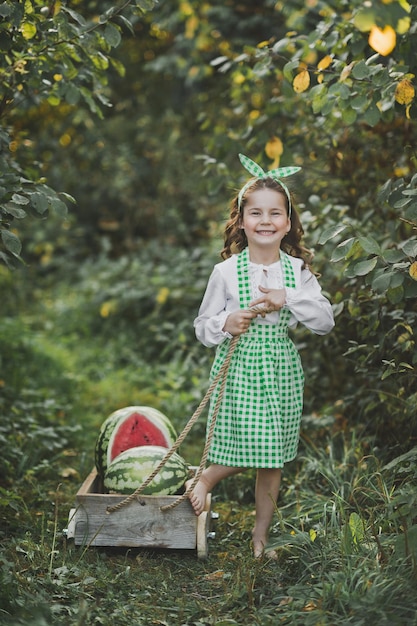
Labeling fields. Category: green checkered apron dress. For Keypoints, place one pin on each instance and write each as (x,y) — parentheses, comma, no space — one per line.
(258,422)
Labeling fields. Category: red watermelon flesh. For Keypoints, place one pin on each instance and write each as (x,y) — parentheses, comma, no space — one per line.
(137,430)
(128,427)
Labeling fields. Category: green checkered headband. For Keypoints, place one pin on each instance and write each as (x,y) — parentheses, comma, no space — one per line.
(257,171)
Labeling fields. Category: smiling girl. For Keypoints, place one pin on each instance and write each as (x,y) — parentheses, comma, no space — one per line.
(264,269)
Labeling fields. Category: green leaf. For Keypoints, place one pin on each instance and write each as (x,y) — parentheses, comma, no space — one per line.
(71,94)
(126,23)
(359,102)
(392,255)
(355,251)
(342,250)
(340,90)
(289,68)
(14,210)
(365,267)
(39,201)
(369,245)
(382,282)
(11,242)
(401,203)
(118,66)
(331,232)
(17,198)
(411,212)
(58,206)
(5,9)
(410,248)
(349,116)
(68,197)
(407,459)
(395,294)
(112,35)
(372,115)
(357,528)
(75,16)
(360,70)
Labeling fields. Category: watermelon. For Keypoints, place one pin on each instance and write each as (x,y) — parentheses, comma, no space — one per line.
(130,427)
(132,467)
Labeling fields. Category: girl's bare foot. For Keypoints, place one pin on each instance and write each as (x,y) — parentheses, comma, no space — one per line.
(198,495)
(258,548)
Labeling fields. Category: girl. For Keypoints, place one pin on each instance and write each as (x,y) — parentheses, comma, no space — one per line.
(264,269)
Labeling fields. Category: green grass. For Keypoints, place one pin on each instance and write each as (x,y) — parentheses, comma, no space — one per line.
(345,524)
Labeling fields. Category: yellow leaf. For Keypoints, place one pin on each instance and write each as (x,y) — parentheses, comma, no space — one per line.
(107,308)
(28,7)
(405,5)
(28,30)
(345,73)
(239,78)
(404,92)
(162,295)
(57,7)
(403,25)
(325,62)
(313,534)
(382,40)
(301,82)
(274,149)
(215,575)
(68,472)
(191,26)
(413,270)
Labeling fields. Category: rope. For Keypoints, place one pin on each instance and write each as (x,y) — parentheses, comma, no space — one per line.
(182,436)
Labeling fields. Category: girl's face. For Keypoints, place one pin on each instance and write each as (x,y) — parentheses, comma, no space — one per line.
(265,219)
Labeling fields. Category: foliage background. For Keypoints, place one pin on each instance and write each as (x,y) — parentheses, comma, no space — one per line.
(121,125)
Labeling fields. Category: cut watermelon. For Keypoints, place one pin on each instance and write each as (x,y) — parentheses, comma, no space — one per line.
(131,427)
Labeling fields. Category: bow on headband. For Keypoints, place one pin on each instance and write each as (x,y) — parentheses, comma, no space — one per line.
(257,171)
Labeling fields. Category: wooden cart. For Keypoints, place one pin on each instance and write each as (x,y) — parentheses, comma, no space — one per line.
(140,524)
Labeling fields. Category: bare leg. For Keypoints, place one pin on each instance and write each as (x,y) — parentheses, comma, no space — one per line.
(208,480)
(268,482)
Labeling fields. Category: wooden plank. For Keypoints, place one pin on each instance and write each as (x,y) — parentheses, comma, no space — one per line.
(141,523)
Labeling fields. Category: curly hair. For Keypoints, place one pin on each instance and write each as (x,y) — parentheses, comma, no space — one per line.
(235,237)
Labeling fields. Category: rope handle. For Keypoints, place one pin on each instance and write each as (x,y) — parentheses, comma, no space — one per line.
(220,375)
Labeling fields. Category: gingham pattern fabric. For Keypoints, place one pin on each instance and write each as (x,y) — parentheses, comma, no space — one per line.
(257,171)
(258,422)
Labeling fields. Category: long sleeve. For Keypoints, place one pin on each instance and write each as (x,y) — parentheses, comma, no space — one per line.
(309,306)
(216,305)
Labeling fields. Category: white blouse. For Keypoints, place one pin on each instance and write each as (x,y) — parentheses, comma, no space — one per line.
(305,301)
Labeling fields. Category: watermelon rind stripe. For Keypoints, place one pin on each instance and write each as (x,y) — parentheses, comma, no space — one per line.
(131,468)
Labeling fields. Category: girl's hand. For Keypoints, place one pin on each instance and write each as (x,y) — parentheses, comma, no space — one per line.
(273,300)
(239,321)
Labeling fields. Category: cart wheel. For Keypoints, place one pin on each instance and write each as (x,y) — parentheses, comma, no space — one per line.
(69,531)
(203,523)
